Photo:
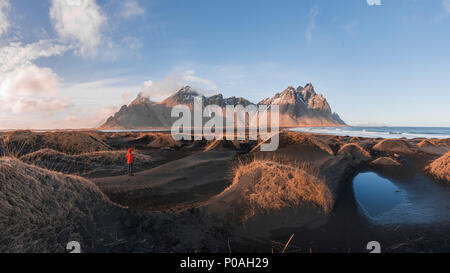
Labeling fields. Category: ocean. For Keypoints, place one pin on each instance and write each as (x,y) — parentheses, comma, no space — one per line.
(384,132)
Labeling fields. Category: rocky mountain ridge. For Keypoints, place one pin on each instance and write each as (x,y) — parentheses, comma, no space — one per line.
(298,107)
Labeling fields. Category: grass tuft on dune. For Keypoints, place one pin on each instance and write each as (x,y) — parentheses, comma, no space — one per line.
(355,150)
(42,211)
(400,146)
(440,168)
(434,146)
(266,186)
(385,161)
(294,138)
(86,164)
(19,143)
(288,138)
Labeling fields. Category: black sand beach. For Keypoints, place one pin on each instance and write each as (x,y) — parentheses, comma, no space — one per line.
(184,198)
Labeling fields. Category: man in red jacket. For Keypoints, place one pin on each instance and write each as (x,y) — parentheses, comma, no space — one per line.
(130,161)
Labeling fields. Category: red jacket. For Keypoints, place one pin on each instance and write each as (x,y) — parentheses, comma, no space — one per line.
(130,158)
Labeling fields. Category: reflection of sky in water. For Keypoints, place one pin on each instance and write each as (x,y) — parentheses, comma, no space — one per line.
(376,195)
(388,202)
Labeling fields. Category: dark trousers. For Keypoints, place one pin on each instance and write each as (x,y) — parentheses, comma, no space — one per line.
(130,168)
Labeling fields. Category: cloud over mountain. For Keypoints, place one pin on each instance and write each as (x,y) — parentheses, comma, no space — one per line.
(160,90)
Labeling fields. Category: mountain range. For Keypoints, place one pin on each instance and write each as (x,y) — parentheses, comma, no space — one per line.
(298,107)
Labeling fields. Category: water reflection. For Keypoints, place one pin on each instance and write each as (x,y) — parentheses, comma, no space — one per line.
(376,195)
(385,201)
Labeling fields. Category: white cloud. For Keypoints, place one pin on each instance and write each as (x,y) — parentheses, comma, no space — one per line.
(101,93)
(106,112)
(31,89)
(99,84)
(312,24)
(158,91)
(127,97)
(25,87)
(373,2)
(198,82)
(446,6)
(148,83)
(79,22)
(4,20)
(131,8)
(17,55)
(31,80)
(83,117)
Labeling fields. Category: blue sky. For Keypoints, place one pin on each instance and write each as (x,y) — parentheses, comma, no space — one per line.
(72,63)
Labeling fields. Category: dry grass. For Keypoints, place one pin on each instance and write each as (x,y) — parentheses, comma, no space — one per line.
(218,145)
(440,168)
(288,138)
(161,140)
(19,143)
(295,138)
(385,161)
(434,146)
(435,142)
(354,150)
(266,186)
(395,146)
(150,140)
(355,139)
(42,211)
(86,164)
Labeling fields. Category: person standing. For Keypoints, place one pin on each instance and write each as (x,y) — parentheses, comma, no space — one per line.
(130,161)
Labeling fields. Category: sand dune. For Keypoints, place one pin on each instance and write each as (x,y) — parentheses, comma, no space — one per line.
(191,197)
(434,147)
(87,164)
(395,146)
(288,138)
(19,143)
(266,195)
(223,145)
(440,168)
(43,210)
(385,161)
(356,151)
(191,179)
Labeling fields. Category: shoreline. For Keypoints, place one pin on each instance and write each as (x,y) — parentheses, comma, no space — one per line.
(384,132)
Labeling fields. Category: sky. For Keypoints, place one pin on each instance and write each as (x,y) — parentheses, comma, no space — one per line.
(73,63)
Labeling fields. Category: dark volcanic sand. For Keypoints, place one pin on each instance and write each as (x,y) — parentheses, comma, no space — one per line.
(348,230)
(186,177)
(188,182)
(177,184)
